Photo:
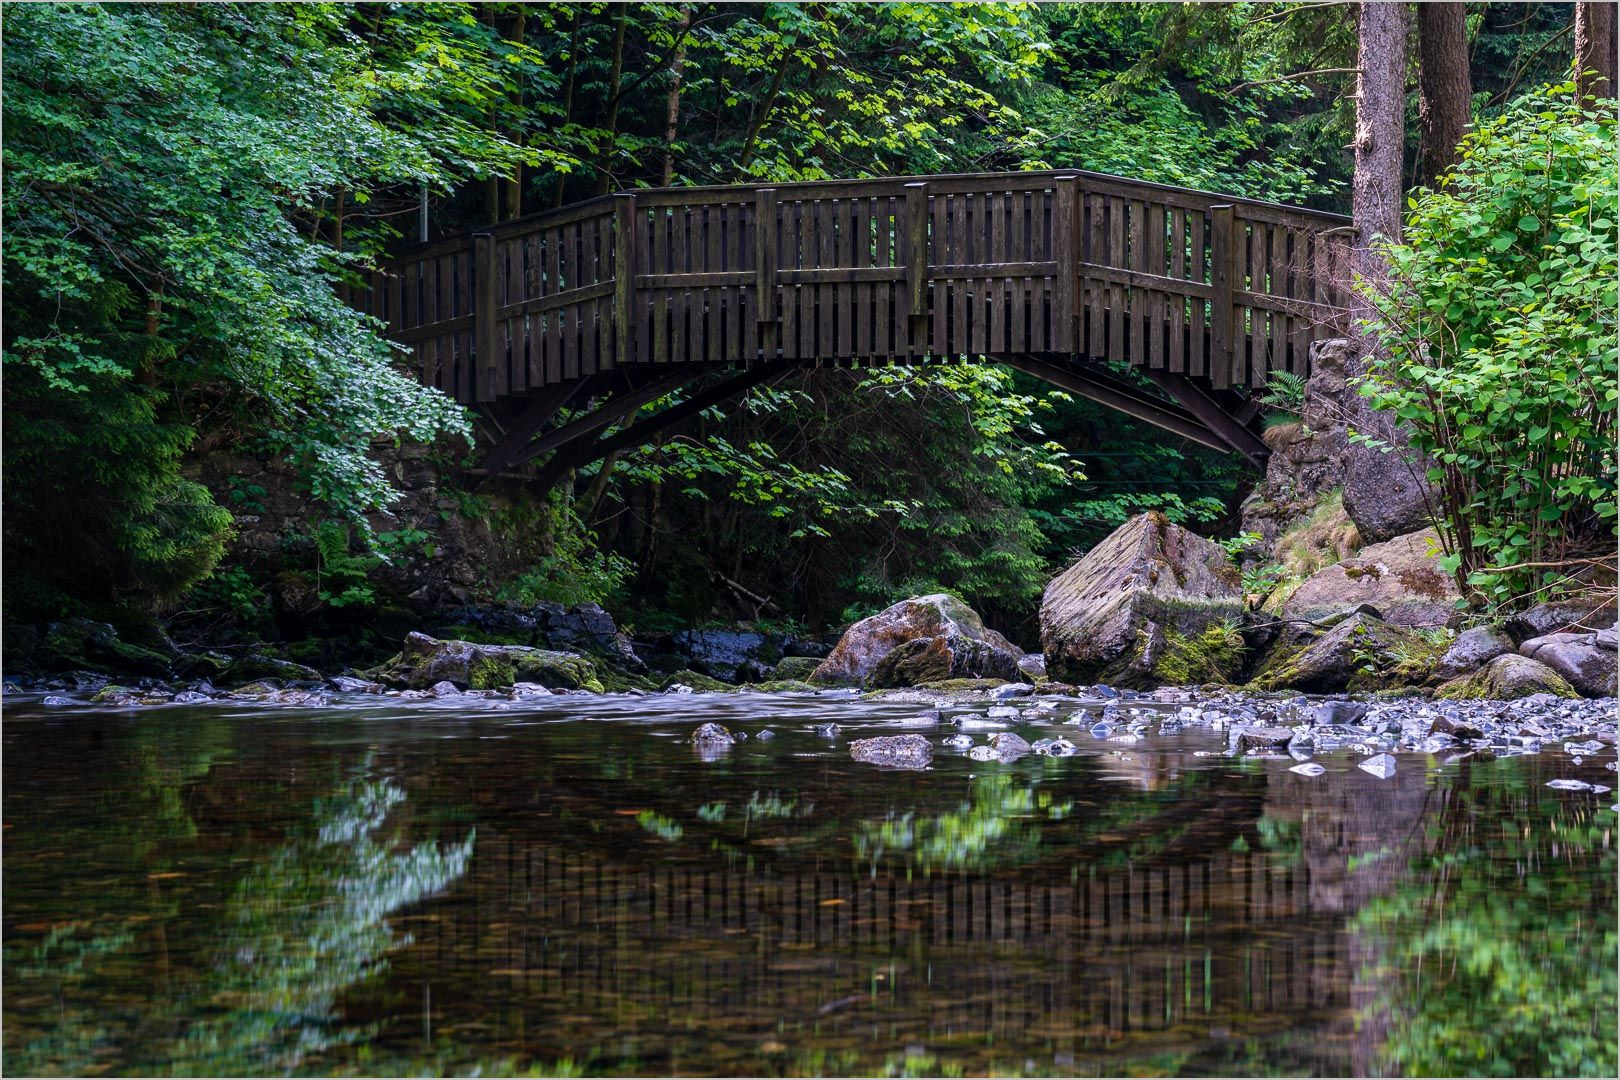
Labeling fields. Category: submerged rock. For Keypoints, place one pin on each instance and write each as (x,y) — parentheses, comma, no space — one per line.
(1129,602)
(1009,746)
(1400,577)
(1379,765)
(424,661)
(1262,738)
(925,639)
(712,734)
(1506,678)
(893,751)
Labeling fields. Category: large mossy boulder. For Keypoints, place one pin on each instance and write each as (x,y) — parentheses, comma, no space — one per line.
(1400,577)
(424,661)
(920,640)
(80,644)
(1117,613)
(1507,678)
(1360,652)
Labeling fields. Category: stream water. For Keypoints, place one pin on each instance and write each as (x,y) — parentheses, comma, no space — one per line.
(569,887)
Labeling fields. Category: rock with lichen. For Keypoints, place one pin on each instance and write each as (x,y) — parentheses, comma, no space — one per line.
(1115,614)
(921,640)
(1400,577)
(424,661)
(1507,678)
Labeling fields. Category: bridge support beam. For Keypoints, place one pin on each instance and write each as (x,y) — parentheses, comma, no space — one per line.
(639,434)
(1117,395)
(1209,413)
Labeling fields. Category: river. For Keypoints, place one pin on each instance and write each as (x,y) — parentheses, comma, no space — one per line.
(566,886)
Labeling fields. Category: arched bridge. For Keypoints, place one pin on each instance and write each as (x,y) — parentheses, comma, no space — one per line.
(610,304)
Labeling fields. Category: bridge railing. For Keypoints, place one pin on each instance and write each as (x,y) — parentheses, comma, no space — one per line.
(871,270)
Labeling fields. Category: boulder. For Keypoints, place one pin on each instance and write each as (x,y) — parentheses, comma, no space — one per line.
(1362,652)
(1580,658)
(893,751)
(1507,678)
(424,661)
(713,734)
(796,668)
(1399,577)
(1472,650)
(80,644)
(732,655)
(1033,665)
(1114,614)
(1581,617)
(254,667)
(923,639)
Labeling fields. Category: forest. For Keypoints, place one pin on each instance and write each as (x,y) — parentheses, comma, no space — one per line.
(194,191)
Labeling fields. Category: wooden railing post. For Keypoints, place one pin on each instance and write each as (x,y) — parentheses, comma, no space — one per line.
(485,299)
(765,269)
(917,258)
(624,277)
(1222,271)
(1065,241)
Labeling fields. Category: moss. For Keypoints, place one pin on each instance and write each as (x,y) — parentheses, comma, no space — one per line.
(111,692)
(796,668)
(487,672)
(555,669)
(619,682)
(695,681)
(479,636)
(959,686)
(782,686)
(1212,656)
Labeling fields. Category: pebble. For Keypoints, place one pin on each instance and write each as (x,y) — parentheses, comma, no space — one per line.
(958,742)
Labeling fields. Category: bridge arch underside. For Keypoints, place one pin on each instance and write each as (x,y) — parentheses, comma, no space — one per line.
(626,298)
(581,422)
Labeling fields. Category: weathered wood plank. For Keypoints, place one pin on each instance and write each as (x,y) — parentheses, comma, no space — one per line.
(624,278)
(1223,268)
(1155,349)
(1177,359)
(765,246)
(1118,258)
(1200,328)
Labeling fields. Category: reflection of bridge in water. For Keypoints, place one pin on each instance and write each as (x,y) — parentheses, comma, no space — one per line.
(1097,958)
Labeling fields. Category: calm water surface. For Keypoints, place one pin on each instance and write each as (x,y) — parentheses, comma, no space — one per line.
(573,889)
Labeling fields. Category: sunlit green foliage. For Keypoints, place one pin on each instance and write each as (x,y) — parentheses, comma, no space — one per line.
(1499,331)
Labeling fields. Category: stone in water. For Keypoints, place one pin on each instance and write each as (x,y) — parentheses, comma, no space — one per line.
(1379,765)
(1310,768)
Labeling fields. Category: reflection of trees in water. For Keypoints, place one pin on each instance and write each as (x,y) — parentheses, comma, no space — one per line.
(297,930)
(997,824)
(1497,959)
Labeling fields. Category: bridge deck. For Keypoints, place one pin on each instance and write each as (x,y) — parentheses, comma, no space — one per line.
(1062,263)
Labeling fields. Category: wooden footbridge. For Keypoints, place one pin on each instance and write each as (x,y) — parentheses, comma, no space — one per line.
(558,326)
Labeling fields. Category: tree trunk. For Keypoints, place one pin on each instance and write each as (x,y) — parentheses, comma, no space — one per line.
(1380,132)
(568,94)
(514,183)
(1444,89)
(604,181)
(672,112)
(1595,48)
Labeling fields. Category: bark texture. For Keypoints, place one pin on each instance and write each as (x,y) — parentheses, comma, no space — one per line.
(1595,48)
(1443,85)
(1380,131)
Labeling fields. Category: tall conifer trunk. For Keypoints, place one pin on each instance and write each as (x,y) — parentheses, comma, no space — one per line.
(1443,86)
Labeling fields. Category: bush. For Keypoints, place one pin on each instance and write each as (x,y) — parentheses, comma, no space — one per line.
(1498,341)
